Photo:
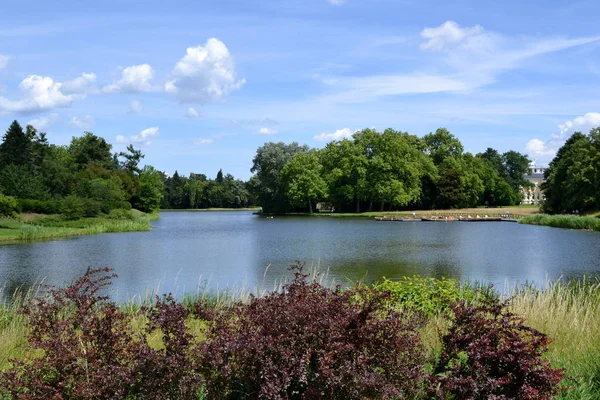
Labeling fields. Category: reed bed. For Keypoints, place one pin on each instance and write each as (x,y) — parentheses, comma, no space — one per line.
(563,221)
(55,227)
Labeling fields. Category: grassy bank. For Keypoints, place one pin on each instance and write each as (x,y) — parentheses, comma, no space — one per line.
(564,221)
(52,227)
(569,312)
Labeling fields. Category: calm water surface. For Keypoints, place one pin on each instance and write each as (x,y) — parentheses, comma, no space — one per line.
(185,251)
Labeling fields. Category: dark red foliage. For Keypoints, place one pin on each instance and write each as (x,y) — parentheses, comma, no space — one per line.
(306,342)
(310,342)
(170,373)
(91,352)
(489,354)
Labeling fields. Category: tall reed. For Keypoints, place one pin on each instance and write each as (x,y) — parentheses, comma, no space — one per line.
(563,221)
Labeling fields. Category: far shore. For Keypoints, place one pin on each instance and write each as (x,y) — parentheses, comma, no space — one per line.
(211,209)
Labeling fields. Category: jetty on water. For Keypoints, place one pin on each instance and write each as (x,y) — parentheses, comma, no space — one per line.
(444,219)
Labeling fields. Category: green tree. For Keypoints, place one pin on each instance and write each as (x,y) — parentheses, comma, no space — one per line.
(132,158)
(16,147)
(267,165)
(90,148)
(303,179)
(345,165)
(571,181)
(441,145)
(151,190)
(516,166)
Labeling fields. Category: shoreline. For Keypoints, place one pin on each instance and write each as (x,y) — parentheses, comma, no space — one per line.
(51,227)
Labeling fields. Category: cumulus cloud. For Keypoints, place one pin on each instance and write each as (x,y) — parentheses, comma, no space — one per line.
(134,79)
(205,74)
(44,122)
(191,113)
(86,122)
(81,85)
(339,134)
(144,137)
(203,141)
(544,151)
(38,93)
(267,131)
(448,34)
(135,107)
(4,59)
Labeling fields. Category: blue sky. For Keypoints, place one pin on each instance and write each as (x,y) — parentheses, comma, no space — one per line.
(200,85)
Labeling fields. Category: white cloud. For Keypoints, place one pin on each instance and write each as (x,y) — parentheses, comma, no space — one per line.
(86,122)
(361,89)
(81,85)
(463,59)
(134,79)
(191,113)
(447,34)
(204,141)
(336,2)
(37,94)
(4,59)
(135,107)
(144,137)
(339,134)
(206,73)
(544,151)
(43,123)
(582,124)
(267,131)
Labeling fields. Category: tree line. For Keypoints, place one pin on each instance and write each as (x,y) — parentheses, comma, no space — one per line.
(82,179)
(197,191)
(86,179)
(389,170)
(572,180)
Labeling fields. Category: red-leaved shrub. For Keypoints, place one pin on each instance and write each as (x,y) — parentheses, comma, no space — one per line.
(305,342)
(89,350)
(311,342)
(489,353)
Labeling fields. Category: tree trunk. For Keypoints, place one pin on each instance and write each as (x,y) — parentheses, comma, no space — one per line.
(309,206)
(370,205)
(382,205)
(357,204)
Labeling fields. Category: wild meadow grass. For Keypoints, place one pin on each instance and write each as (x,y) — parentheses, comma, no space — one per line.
(564,221)
(568,311)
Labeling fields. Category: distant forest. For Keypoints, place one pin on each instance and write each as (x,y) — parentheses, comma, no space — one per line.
(371,171)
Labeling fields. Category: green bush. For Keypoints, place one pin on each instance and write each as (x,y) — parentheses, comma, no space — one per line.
(432,296)
(39,206)
(120,214)
(8,206)
(72,207)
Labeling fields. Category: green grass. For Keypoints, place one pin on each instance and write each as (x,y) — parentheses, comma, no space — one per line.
(52,227)
(564,221)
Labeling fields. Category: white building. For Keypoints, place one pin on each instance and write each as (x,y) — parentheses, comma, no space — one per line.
(534,194)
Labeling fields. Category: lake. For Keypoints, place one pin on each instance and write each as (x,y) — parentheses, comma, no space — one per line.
(190,251)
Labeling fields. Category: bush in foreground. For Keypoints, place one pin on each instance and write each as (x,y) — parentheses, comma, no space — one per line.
(310,342)
(304,342)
